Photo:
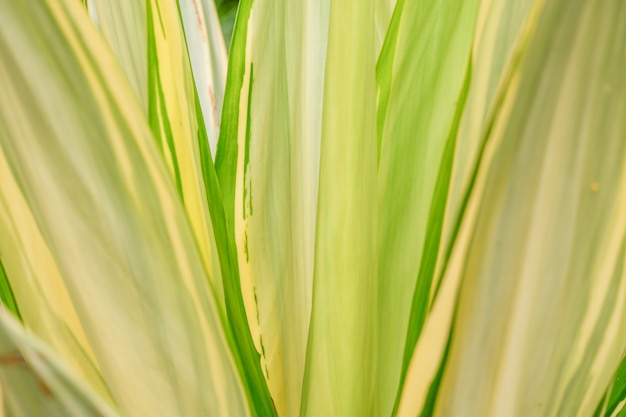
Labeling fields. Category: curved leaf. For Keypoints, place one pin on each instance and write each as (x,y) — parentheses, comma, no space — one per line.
(109,212)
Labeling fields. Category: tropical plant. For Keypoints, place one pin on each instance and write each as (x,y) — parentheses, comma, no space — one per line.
(365,208)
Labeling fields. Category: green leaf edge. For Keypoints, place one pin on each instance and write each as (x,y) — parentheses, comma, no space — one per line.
(6,294)
(426,273)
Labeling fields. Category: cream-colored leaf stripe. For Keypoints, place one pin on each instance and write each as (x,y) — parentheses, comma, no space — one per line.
(177,124)
(44,304)
(543,273)
(420,79)
(414,208)
(275,204)
(109,212)
(123,24)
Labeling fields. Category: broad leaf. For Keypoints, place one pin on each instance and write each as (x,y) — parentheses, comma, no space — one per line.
(538,329)
(109,212)
(44,303)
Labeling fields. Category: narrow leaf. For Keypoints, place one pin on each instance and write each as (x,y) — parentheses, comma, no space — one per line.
(340,378)
(420,80)
(277,136)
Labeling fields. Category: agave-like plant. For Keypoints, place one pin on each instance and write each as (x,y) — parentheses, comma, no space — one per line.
(366,208)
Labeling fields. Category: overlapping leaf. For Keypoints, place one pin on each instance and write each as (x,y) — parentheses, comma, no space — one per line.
(36,287)
(421,94)
(268,163)
(83,156)
(33,382)
(543,289)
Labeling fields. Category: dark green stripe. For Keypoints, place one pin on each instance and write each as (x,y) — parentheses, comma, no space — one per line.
(431,398)
(384,71)
(617,392)
(227,148)
(496,107)
(6,293)
(157,110)
(247,359)
(421,295)
(247,188)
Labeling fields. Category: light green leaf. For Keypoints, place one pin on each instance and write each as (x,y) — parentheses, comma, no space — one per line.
(383,12)
(497,33)
(177,124)
(123,24)
(340,378)
(168,91)
(539,322)
(183,100)
(45,305)
(34,382)
(500,28)
(273,169)
(108,211)
(420,77)
(277,143)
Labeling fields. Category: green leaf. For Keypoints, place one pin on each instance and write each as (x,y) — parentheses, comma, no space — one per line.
(499,28)
(168,91)
(613,401)
(420,80)
(227,10)
(268,160)
(270,176)
(183,115)
(109,212)
(125,26)
(340,377)
(383,12)
(6,293)
(45,305)
(543,278)
(178,126)
(419,304)
(498,35)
